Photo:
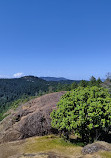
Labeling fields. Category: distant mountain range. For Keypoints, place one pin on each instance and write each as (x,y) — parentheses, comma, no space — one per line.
(60,80)
(54,78)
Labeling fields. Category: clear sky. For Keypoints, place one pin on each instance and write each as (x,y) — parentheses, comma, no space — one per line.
(61,38)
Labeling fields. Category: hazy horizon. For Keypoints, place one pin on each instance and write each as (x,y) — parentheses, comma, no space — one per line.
(50,77)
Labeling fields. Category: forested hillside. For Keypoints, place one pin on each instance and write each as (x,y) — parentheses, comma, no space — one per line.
(13,89)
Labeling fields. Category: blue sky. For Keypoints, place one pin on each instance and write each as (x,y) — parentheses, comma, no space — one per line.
(67,38)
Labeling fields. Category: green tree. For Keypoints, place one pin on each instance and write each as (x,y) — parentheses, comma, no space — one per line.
(98,82)
(84,111)
(59,86)
(74,85)
(50,89)
(108,76)
(83,83)
(92,81)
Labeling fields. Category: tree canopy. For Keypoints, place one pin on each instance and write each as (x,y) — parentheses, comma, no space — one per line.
(84,111)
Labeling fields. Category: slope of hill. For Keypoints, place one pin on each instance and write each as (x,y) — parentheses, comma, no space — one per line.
(30,119)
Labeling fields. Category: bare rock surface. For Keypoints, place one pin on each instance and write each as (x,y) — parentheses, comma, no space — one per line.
(95,147)
(40,155)
(30,119)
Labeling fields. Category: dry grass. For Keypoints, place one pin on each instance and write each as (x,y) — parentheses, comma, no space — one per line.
(46,144)
(40,144)
(52,144)
(105,154)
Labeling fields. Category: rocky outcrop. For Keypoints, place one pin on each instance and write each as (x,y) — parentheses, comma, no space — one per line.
(30,119)
(40,155)
(95,147)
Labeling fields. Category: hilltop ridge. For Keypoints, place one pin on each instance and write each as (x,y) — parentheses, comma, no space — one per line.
(54,78)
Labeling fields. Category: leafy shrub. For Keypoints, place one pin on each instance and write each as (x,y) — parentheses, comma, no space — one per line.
(84,111)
